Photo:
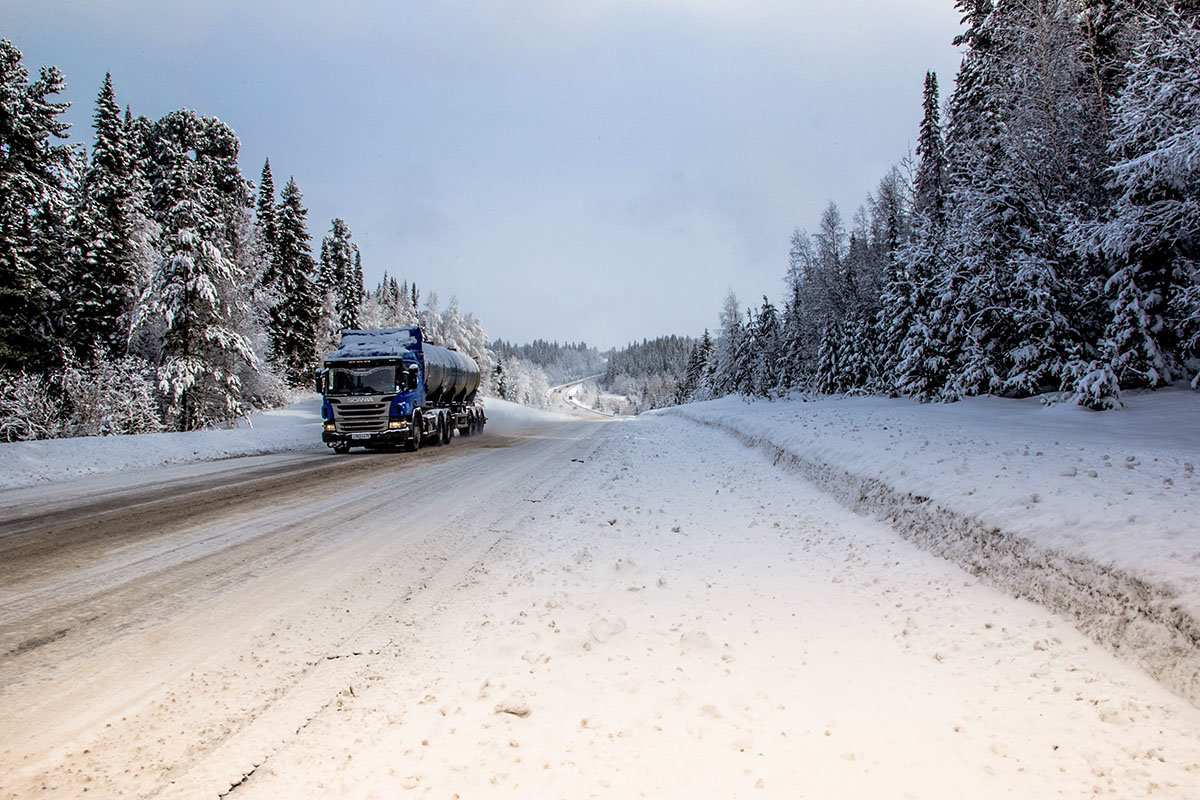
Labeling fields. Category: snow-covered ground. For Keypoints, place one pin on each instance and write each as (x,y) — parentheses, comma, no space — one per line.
(678,618)
(1090,513)
(296,427)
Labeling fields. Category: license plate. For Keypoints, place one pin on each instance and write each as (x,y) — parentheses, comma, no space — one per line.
(360,436)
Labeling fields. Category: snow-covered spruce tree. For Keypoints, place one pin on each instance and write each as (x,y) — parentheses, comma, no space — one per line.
(890,228)
(826,377)
(476,346)
(913,315)
(196,189)
(730,337)
(336,286)
(1024,151)
(357,289)
(340,271)
(923,369)
(431,320)
(1152,239)
(266,226)
(34,189)
(767,355)
(104,278)
(293,318)
(695,380)
(929,190)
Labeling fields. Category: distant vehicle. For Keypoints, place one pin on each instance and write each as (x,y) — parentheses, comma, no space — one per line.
(385,388)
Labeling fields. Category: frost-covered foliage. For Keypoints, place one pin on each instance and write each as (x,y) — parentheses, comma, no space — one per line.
(29,407)
(110,397)
(519,381)
(1048,239)
(106,397)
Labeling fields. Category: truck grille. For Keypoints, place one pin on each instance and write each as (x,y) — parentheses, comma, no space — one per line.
(360,417)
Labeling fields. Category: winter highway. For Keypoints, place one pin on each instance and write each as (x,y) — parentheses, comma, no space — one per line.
(620,608)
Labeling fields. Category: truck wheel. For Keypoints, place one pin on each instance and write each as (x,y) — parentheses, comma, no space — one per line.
(413,443)
(447,429)
(436,434)
(341,449)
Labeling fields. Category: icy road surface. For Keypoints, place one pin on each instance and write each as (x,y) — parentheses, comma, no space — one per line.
(620,609)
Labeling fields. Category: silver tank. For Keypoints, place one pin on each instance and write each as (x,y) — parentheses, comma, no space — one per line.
(450,376)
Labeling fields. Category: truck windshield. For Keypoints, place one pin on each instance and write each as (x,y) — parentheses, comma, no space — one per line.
(368,380)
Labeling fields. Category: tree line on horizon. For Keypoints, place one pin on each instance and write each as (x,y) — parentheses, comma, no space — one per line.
(1045,238)
(145,286)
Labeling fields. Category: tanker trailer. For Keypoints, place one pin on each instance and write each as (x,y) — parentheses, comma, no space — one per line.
(387,388)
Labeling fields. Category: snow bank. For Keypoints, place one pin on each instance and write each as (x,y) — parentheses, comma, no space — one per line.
(1090,514)
(296,427)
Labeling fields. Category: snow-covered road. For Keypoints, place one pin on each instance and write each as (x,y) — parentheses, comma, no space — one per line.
(633,608)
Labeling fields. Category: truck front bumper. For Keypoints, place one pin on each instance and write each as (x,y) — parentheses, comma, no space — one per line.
(392,436)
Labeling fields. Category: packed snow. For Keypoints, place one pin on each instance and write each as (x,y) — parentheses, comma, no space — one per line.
(1092,514)
(673,616)
(296,427)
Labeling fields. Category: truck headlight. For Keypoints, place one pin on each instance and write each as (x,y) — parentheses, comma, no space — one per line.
(329,426)
(397,424)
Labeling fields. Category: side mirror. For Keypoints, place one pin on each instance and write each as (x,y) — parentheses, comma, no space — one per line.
(321,383)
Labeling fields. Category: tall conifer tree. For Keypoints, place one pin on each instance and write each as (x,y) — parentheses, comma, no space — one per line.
(103,283)
(293,319)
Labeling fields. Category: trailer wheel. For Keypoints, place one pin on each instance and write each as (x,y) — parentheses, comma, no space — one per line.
(341,449)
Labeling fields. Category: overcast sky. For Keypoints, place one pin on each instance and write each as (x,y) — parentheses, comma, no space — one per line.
(602,170)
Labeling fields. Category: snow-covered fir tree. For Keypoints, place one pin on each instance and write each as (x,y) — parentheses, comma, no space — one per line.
(339,286)
(1151,238)
(104,279)
(293,318)
(195,184)
(34,191)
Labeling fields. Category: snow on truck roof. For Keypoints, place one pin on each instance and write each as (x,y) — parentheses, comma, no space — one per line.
(377,343)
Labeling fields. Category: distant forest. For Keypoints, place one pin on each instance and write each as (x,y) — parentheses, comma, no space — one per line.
(561,363)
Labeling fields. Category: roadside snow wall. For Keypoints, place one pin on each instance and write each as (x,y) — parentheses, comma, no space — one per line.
(1140,621)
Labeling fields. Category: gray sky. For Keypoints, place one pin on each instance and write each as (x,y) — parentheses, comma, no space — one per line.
(601,170)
